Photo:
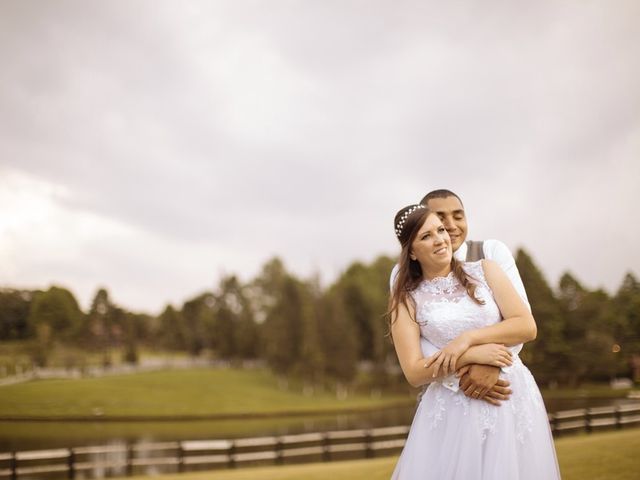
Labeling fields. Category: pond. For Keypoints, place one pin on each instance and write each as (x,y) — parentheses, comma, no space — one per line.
(44,435)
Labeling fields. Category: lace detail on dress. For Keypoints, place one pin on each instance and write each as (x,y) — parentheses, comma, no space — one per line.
(440,285)
(437,407)
(524,401)
(438,397)
(444,310)
(488,419)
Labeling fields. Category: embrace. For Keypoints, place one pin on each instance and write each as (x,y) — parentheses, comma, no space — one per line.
(458,318)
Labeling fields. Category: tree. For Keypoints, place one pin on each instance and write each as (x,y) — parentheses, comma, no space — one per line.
(134,333)
(286,305)
(170,332)
(199,325)
(14,314)
(54,315)
(311,362)
(547,355)
(363,291)
(337,338)
(98,329)
(58,308)
(589,332)
(236,333)
(627,325)
(282,328)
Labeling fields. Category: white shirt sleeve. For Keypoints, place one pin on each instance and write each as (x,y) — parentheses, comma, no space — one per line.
(392,277)
(500,253)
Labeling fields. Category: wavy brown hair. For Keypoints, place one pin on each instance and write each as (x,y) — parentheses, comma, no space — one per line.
(409,271)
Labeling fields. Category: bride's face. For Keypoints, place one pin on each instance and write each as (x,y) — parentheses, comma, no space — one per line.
(432,245)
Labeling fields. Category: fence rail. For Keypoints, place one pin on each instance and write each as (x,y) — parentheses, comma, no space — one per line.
(130,459)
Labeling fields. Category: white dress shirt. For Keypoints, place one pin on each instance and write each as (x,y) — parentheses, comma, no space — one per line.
(493,250)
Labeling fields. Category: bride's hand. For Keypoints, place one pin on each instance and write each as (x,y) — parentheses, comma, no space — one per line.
(448,356)
(492,354)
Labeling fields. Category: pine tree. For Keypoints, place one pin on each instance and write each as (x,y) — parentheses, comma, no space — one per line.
(14,314)
(98,329)
(55,316)
(627,314)
(547,355)
(170,333)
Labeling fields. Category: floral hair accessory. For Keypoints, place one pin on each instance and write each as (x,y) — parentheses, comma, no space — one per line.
(403,218)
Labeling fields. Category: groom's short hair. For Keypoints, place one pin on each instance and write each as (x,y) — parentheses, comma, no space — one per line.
(441,193)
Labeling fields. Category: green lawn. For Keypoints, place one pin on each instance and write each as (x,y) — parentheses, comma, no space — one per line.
(588,390)
(601,456)
(196,392)
(200,392)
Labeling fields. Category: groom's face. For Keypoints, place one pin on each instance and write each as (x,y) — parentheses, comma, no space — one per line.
(451,213)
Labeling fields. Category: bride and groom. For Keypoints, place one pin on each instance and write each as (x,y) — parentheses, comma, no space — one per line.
(458,318)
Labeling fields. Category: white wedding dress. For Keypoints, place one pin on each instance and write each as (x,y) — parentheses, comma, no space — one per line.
(453,437)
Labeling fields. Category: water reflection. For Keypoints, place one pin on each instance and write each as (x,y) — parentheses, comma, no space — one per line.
(44,435)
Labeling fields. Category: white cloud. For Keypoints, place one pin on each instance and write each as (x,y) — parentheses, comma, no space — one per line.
(153,144)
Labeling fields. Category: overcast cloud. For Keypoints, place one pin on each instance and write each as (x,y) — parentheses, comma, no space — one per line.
(150,146)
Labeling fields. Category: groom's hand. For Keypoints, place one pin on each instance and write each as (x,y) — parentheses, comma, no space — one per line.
(482,382)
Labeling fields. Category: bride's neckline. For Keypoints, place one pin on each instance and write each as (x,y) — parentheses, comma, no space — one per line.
(438,278)
(439,284)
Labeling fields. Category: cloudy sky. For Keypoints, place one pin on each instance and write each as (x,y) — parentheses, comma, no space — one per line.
(152,146)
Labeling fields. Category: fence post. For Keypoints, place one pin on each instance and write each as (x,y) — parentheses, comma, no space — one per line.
(129,460)
(618,415)
(232,459)
(368,451)
(180,458)
(326,447)
(14,466)
(71,467)
(279,451)
(587,420)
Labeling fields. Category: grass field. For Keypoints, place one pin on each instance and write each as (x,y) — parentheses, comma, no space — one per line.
(201,392)
(196,392)
(223,396)
(600,456)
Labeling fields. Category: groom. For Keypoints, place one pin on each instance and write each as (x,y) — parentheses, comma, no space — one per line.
(476,381)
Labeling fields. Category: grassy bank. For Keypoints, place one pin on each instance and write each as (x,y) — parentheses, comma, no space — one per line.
(588,390)
(205,392)
(180,393)
(601,456)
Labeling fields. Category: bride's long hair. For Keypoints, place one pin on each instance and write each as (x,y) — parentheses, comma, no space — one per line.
(407,223)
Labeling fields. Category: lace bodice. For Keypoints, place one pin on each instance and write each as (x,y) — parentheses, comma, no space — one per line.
(444,309)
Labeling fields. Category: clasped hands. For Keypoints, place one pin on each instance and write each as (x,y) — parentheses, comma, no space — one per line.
(479,378)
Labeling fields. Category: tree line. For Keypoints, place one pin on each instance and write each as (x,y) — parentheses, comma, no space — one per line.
(326,335)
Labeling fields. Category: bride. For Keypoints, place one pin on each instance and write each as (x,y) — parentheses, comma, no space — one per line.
(472,313)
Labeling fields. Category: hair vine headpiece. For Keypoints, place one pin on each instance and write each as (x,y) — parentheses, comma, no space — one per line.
(403,218)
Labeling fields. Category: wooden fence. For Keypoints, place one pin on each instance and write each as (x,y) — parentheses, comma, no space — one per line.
(122,459)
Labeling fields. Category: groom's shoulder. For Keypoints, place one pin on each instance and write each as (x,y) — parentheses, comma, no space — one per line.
(393,275)
(394,270)
(495,250)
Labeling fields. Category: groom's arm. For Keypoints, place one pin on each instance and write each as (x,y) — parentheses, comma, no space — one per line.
(486,378)
(498,252)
